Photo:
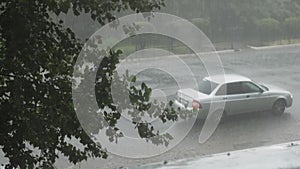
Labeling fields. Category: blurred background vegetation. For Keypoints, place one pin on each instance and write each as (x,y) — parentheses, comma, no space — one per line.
(229,24)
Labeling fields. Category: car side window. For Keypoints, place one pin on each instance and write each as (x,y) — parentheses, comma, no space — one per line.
(222,90)
(249,87)
(230,89)
(234,88)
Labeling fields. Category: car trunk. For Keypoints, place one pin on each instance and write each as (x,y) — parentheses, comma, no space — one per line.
(186,96)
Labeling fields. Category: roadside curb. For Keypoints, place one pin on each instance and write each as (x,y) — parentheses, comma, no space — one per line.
(239,158)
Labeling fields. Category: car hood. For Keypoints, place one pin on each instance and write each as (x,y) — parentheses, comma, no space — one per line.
(273,88)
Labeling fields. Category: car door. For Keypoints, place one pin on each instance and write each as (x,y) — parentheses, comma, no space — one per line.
(234,97)
(256,99)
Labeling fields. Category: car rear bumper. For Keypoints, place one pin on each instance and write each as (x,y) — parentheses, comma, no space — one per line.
(178,105)
(202,113)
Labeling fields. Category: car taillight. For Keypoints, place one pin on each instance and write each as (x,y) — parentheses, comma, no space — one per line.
(196,104)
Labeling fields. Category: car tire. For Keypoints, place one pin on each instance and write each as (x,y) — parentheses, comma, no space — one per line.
(279,107)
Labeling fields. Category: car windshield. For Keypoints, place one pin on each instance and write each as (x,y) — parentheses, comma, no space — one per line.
(264,87)
(207,86)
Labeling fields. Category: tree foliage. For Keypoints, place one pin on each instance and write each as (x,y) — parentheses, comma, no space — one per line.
(236,17)
(37,55)
(203,24)
(268,27)
(292,26)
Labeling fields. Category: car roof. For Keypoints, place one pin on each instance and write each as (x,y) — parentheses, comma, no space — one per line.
(227,78)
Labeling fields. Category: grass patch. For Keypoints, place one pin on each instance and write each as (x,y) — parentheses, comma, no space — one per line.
(282,42)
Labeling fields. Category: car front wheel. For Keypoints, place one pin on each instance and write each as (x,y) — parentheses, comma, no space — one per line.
(279,107)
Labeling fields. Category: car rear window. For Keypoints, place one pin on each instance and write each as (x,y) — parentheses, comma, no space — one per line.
(206,86)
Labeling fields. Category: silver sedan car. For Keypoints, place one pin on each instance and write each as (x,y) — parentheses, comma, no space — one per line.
(238,93)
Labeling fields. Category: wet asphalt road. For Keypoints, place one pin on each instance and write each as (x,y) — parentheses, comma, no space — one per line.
(279,67)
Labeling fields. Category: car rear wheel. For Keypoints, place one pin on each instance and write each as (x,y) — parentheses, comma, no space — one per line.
(279,107)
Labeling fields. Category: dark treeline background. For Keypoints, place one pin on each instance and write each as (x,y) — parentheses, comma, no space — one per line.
(227,23)
(222,20)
